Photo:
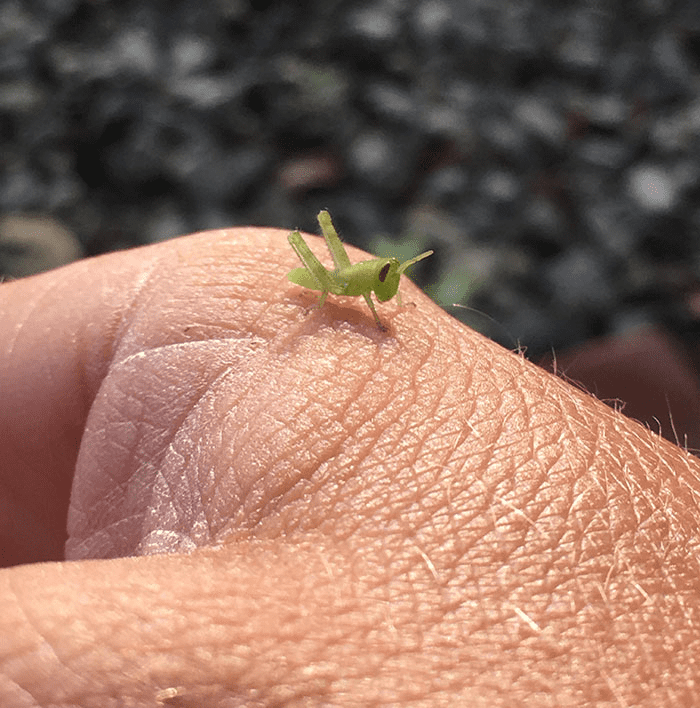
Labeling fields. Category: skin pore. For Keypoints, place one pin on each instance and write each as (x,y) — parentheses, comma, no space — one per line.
(267,504)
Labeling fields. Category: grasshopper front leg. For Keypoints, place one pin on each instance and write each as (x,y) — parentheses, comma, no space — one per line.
(368,300)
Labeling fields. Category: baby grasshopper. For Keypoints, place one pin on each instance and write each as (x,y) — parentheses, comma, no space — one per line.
(379,274)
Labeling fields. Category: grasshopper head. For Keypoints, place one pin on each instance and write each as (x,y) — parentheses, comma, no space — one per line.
(389,275)
(387,283)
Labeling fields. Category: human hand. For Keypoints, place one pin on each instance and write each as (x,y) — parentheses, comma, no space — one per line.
(339,516)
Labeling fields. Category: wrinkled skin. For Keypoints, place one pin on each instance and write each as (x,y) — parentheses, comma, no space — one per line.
(281,506)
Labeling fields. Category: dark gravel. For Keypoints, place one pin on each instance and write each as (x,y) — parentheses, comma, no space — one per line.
(548,151)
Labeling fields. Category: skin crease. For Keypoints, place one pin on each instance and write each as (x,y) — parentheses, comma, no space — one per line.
(277,506)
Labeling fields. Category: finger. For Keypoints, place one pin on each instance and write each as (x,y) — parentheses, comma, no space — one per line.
(215,628)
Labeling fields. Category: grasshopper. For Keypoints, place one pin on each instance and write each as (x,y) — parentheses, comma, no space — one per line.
(381,275)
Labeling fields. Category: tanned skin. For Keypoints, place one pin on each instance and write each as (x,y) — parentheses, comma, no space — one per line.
(264,504)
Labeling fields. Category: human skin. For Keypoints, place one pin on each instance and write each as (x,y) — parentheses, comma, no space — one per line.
(274,505)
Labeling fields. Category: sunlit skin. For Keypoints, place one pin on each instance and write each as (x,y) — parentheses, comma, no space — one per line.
(379,275)
(262,508)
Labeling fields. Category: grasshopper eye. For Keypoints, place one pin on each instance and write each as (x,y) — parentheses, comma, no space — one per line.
(384,272)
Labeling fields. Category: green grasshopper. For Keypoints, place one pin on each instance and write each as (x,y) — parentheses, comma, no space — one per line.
(381,275)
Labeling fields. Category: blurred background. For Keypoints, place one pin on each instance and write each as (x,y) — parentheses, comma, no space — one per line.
(548,151)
